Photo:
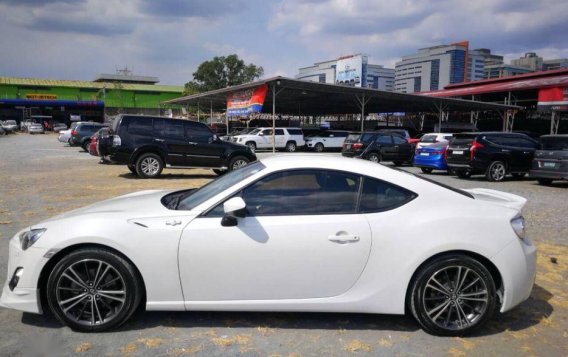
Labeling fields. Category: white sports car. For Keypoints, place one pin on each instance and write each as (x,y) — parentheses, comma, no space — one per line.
(301,233)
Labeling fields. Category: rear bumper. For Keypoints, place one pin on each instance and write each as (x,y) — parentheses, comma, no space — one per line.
(429,162)
(557,175)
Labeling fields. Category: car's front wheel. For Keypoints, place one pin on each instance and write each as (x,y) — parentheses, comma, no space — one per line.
(237,162)
(496,172)
(149,165)
(93,290)
(453,295)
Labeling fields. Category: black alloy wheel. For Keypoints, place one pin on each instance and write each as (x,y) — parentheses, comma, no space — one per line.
(93,290)
(453,295)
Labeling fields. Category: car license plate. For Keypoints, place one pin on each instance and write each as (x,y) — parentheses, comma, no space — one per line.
(348,146)
(424,154)
(549,165)
(457,152)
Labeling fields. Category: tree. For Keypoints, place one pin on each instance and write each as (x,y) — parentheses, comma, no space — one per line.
(221,72)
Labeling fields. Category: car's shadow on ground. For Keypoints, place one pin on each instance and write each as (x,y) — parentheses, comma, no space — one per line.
(131,176)
(530,313)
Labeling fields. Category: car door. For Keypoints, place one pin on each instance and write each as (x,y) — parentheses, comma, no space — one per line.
(523,153)
(402,148)
(169,134)
(203,150)
(280,138)
(301,238)
(386,146)
(264,139)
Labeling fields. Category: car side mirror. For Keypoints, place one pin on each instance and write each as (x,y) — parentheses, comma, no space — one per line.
(234,208)
(261,134)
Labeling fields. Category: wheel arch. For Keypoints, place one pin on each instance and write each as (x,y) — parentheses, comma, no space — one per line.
(495,274)
(48,267)
(144,150)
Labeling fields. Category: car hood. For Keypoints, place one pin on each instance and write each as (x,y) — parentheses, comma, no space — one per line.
(143,202)
(498,198)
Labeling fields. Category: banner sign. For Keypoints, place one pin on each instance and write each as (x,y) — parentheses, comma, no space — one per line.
(41,96)
(352,71)
(555,98)
(247,101)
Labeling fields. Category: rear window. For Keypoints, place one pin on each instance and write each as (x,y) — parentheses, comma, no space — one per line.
(428,139)
(463,139)
(554,143)
(353,137)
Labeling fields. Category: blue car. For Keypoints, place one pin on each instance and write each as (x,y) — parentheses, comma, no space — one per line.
(431,157)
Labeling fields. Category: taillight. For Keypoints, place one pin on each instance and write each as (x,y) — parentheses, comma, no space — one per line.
(446,153)
(74,132)
(474,146)
(357,146)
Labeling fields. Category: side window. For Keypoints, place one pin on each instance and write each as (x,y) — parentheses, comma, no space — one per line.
(280,132)
(140,127)
(448,137)
(159,127)
(525,143)
(267,132)
(398,140)
(197,132)
(173,129)
(384,140)
(497,140)
(367,137)
(293,132)
(303,192)
(378,196)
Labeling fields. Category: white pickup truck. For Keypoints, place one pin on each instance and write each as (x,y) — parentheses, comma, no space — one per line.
(288,139)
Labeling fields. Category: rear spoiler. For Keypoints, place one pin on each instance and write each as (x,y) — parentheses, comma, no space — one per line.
(498,197)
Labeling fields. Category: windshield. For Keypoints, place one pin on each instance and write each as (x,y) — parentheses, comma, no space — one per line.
(254,132)
(554,143)
(428,139)
(197,197)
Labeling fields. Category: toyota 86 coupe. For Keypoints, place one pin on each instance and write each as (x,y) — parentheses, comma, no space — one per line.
(302,233)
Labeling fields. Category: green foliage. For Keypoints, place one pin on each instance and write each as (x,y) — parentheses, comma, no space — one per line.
(221,72)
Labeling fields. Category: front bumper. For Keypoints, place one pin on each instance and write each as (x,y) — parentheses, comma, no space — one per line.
(517,265)
(25,296)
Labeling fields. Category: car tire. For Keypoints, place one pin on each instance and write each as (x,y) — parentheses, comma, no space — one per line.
(496,171)
(237,162)
(290,146)
(132,169)
(251,145)
(149,165)
(544,181)
(462,173)
(374,157)
(219,172)
(426,170)
(442,292)
(85,145)
(319,147)
(74,290)
(398,163)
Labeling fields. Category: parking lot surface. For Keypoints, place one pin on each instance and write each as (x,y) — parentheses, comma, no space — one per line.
(40,177)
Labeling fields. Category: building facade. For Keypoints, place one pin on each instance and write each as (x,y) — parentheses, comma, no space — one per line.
(433,68)
(353,70)
(504,70)
(530,61)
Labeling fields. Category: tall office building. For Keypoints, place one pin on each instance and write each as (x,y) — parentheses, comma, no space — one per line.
(353,70)
(553,64)
(530,61)
(433,68)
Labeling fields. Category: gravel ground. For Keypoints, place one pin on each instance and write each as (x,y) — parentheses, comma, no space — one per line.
(40,177)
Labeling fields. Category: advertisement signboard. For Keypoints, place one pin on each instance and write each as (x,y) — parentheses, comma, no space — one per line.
(247,101)
(351,71)
(555,98)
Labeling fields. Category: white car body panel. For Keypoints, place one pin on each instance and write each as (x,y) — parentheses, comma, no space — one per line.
(267,263)
(265,141)
(64,136)
(327,142)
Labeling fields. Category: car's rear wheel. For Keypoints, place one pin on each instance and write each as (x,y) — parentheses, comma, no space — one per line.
(149,165)
(251,145)
(426,170)
(290,146)
(237,162)
(462,173)
(319,147)
(93,289)
(453,295)
(544,181)
(86,144)
(496,171)
(374,157)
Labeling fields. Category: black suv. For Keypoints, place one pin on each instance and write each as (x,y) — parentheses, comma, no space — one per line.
(147,144)
(494,154)
(377,147)
(82,133)
(551,160)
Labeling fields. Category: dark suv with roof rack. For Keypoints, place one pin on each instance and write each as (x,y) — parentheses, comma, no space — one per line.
(494,154)
(149,144)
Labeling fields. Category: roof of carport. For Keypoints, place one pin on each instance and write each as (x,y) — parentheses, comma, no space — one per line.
(298,97)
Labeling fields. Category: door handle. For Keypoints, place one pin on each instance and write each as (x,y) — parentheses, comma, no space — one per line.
(192,143)
(343,238)
(173,223)
(159,140)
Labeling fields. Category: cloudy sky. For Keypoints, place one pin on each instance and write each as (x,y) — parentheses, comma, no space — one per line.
(78,39)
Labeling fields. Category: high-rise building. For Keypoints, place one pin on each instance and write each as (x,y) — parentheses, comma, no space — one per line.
(504,70)
(433,68)
(530,61)
(553,64)
(353,70)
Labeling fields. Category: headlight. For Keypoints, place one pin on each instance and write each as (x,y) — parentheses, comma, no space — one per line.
(518,224)
(28,238)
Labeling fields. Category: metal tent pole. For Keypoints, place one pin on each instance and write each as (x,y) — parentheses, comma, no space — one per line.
(274,118)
